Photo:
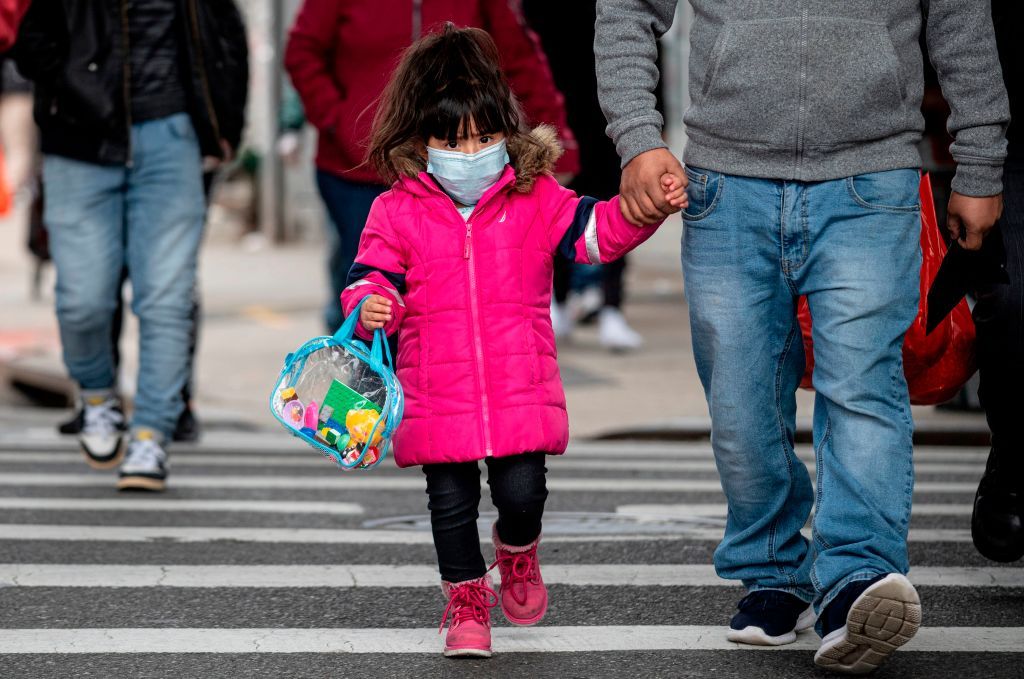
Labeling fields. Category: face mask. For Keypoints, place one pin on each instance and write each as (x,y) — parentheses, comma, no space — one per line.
(465,176)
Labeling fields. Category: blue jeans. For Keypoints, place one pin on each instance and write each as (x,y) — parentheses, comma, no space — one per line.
(348,205)
(148,216)
(751,247)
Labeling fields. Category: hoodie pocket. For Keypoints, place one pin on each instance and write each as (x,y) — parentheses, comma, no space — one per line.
(749,91)
(800,82)
(854,92)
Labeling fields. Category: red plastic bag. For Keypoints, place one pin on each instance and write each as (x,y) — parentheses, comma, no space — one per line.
(936,365)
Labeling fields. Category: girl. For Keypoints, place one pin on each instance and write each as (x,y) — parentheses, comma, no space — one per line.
(457,258)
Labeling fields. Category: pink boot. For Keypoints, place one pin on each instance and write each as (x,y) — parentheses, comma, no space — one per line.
(469,604)
(524,598)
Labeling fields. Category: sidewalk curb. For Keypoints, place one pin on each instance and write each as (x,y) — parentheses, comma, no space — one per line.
(953,431)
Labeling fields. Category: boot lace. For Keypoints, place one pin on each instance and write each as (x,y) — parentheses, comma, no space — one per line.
(517,570)
(469,601)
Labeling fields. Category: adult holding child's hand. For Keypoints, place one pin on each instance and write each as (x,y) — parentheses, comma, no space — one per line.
(642,196)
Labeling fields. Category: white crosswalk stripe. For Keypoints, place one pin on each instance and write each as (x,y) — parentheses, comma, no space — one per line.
(361,640)
(250,519)
(383,575)
(364,481)
(573,462)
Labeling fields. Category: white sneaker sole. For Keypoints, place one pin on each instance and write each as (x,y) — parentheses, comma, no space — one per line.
(755,636)
(883,618)
(110,450)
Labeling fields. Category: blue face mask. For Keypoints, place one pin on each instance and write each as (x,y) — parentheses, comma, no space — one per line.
(465,176)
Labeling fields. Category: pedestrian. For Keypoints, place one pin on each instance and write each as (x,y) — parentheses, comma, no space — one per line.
(803,175)
(998,522)
(456,258)
(129,98)
(570,55)
(341,53)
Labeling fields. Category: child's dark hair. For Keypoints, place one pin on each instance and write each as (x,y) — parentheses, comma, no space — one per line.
(443,82)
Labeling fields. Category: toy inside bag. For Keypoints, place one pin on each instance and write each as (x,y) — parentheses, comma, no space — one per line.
(340,397)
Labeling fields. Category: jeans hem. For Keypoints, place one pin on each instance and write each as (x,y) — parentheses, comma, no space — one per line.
(805,594)
(838,587)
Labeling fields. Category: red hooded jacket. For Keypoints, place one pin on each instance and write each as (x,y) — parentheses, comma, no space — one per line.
(11,12)
(341,53)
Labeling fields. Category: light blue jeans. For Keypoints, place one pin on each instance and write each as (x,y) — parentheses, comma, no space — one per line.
(149,216)
(751,247)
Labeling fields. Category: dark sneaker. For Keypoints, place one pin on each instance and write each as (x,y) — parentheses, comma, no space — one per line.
(770,617)
(102,433)
(74,425)
(145,465)
(187,428)
(867,622)
(997,524)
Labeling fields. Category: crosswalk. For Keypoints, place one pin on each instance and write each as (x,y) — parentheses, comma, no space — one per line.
(264,560)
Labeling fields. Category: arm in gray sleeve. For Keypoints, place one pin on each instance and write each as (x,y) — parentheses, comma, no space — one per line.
(626,50)
(962,47)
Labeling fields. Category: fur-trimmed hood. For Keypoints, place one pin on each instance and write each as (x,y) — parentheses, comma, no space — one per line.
(531,154)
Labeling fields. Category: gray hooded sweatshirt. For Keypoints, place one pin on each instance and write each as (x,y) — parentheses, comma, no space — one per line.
(809,90)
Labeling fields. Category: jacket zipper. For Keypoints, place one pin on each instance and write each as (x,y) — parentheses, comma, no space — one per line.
(207,98)
(127,79)
(477,343)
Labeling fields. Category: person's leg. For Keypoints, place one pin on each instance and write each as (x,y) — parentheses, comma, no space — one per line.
(84,214)
(615,332)
(862,280)
(749,355)
(998,522)
(518,490)
(348,205)
(163,235)
(453,492)
(612,279)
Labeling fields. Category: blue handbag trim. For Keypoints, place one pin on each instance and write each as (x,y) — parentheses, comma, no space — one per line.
(393,407)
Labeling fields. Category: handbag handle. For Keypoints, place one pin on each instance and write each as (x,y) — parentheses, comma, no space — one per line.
(348,329)
(379,349)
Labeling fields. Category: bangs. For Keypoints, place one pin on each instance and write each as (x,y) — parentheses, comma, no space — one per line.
(460,106)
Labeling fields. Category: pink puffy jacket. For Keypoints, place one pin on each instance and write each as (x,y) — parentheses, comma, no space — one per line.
(471,301)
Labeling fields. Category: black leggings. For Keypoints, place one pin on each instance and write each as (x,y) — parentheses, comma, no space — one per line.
(999,317)
(518,491)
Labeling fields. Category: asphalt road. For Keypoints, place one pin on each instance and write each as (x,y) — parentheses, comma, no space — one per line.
(263,560)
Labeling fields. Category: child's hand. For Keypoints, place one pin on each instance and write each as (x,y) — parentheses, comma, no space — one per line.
(375,313)
(675,190)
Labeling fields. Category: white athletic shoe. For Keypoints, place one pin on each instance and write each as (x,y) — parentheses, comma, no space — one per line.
(102,434)
(885,616)
(615,333)
(145,465)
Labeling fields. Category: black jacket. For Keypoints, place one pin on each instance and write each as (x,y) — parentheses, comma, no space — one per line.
(74,51)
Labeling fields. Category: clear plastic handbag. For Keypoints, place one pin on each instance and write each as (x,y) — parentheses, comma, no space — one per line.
(341,397)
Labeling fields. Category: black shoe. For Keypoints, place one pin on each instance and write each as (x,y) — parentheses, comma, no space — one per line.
(770,617)
(187,429)
(867,622)
(997,524)
(74,425)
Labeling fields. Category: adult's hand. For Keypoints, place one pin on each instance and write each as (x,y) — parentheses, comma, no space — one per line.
(641,194)
(970,218)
